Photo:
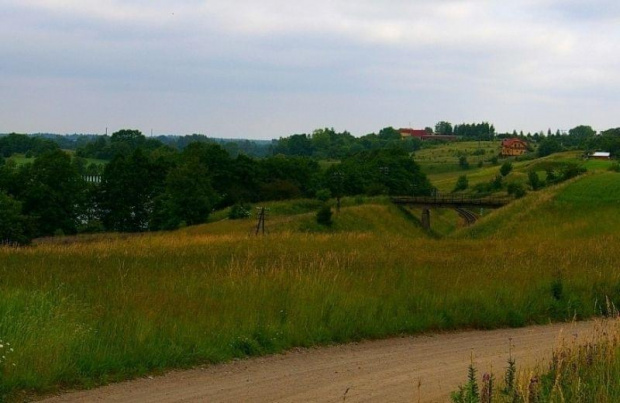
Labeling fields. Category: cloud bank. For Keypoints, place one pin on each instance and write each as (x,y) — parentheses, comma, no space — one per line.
(269,68)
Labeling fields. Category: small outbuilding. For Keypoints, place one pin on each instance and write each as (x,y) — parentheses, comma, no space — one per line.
(601,155)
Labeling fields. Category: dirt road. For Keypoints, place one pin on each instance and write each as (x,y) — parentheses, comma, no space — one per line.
(409,369)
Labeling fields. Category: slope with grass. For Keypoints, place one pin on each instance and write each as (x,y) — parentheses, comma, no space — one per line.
(80,312)
(585,207)
(446,181)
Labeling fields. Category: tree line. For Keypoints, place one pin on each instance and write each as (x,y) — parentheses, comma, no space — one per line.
(149,186)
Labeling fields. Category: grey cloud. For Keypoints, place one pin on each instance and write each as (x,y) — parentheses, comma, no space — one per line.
(279,67)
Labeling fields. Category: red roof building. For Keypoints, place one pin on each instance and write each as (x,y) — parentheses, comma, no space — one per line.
(404,133)
(424,135)
(514,146)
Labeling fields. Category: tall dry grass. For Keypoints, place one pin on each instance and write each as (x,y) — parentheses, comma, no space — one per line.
(85,313)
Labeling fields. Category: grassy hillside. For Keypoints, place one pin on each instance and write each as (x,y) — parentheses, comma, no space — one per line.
(445,181)
(79,312)
(444,158)
(584,207)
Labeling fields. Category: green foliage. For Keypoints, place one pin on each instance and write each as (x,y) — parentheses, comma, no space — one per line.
(470,392)
(463,163)
(516,189)
(188,197)
(22,144)
(615,167)
(323,195)
(461,184)
(534,181)
(443,128)
(324,215)
(240,211)
(510,377)
(391,172)
(13,225)
(129,187)
(506,168)
(51,192)
(549,146)
(496,184)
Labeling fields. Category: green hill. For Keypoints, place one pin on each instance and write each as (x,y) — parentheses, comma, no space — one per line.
(583,207)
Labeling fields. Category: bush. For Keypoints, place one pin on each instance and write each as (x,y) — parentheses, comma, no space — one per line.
(534,181)
(461,184)
(323,195)
(506,168)
(494,160)
(496,184)
(516,189)
(324,215)
(615,167)
(240,211)
(463,163)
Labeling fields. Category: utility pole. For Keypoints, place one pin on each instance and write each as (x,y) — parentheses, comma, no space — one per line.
(260,226)
(338,178)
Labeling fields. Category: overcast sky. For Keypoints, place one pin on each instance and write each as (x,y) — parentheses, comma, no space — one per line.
(271,68)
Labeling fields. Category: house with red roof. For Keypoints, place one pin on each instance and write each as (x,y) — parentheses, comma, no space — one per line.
(513,147)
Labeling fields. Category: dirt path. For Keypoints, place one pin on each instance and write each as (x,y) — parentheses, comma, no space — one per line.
(378,371)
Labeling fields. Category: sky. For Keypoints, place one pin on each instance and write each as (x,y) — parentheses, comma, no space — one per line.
(263,69)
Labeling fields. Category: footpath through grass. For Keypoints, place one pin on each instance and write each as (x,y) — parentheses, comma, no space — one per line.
(107,308)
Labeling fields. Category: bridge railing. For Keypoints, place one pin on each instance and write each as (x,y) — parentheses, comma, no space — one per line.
(452,200)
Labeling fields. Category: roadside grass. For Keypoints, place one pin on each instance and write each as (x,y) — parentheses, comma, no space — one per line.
(586,372)
(81,315)
(112,307)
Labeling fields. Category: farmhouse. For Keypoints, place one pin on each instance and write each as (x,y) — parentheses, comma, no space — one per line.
(601,155)
(424,135)
(404,133)
(512,147)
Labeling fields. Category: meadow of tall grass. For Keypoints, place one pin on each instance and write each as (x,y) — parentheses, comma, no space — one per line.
(81,312)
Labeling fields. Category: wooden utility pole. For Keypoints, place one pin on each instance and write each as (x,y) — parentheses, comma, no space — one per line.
(260,226)
(426,219)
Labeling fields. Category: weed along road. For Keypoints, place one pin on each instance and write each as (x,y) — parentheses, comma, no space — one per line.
(422,368)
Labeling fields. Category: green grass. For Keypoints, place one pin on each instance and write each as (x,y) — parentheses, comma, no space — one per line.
(446,181)
(20,159)
(444,158)
(84,311)
(587,206)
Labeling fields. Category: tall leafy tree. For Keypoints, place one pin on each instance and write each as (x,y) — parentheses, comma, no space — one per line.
(13,225)
(443,127)
(129,187)
(188,197)
(52,192)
